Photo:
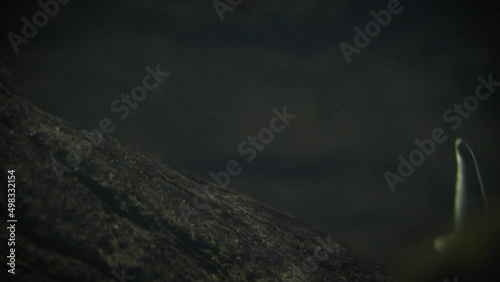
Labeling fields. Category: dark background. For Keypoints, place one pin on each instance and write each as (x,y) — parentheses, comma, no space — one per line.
(353,120)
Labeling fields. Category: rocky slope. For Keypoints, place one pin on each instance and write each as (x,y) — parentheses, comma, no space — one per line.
(90,208)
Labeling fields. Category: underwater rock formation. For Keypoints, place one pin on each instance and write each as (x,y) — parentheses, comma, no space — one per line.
(111,213)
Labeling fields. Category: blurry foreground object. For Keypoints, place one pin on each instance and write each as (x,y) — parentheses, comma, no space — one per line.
(470,198)
(472,251)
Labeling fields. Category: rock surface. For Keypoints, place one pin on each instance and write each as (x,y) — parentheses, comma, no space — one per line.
(116,214)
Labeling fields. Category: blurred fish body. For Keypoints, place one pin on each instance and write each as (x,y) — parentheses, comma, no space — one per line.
(470,198)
